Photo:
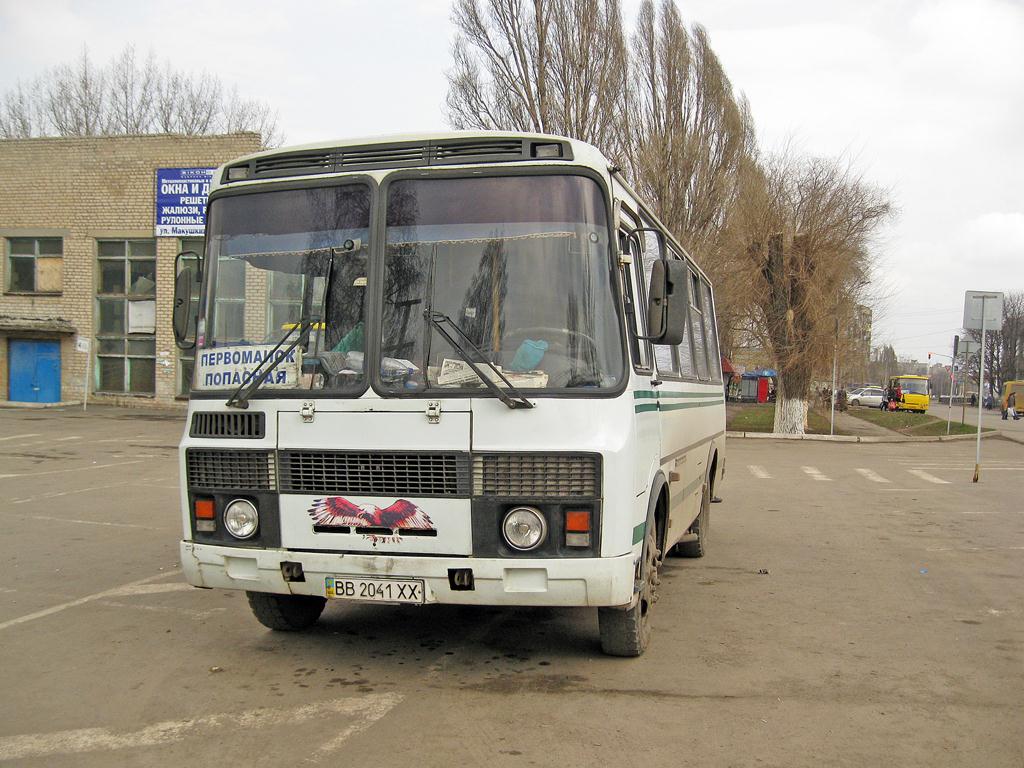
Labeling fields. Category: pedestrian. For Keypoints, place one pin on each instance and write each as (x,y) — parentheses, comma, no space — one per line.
(1011,407)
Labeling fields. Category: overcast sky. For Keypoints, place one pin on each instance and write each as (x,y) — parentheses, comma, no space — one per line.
(926,97)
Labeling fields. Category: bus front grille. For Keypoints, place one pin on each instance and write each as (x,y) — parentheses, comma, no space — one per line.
(249,425)
(537,475)
(211,469)
(378,473)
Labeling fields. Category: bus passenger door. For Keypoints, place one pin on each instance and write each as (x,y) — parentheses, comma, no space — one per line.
(647,430)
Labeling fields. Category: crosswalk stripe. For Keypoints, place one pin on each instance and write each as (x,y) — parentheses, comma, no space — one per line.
(759,472)
(929,477)
(873,476)
(815,473)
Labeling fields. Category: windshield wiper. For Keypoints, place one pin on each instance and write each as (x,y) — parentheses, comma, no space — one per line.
(510,396)
(240,397)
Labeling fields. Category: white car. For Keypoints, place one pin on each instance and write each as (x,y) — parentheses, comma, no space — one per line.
(868,396)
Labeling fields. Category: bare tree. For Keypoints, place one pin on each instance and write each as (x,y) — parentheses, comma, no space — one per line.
(132,92)
(551,66)
(804,227)
(688,135)
(129,97)
(20,112)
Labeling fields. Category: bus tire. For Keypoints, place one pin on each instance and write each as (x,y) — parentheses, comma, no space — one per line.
(628,632)
(286,613)
(701,526)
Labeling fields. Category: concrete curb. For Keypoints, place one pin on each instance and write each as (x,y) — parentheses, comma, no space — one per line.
(870,438)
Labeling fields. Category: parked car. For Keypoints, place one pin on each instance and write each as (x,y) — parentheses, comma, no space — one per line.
(851,393)
(871,396)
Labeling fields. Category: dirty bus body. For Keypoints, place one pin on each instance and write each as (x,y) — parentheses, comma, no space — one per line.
(455,368)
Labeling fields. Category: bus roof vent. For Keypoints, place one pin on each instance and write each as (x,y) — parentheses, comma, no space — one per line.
(407,154)
(294,164)
(479,151)
(381,156)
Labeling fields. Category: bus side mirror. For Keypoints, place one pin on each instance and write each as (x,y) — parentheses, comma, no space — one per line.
(189,270)
(667,302)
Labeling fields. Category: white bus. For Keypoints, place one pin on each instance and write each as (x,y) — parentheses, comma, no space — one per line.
(453,368)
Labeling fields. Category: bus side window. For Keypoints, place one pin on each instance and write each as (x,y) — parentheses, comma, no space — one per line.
(637,348)
(697,329)
(711,326)
(684,352)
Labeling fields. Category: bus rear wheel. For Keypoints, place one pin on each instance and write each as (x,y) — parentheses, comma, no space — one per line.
(286,613)
(628,632)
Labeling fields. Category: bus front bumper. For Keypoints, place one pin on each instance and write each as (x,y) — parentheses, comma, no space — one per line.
(568,582)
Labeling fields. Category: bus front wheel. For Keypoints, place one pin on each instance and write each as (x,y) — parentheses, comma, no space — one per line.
(286,613)
(627,633)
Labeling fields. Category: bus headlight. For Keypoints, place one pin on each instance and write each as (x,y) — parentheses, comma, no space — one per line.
(241,519)
(524,528)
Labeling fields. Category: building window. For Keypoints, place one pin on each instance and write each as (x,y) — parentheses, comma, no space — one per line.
(186,357)
(229,311)
(126,317)
(35,264)
(285,309)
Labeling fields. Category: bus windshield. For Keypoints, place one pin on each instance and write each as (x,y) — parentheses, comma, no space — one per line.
(913,386)
(519,264)
(271,257)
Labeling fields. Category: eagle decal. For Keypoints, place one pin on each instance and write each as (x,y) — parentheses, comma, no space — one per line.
(339,512)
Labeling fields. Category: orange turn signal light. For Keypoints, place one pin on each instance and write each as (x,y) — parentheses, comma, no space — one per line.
(577,522)
(204,509)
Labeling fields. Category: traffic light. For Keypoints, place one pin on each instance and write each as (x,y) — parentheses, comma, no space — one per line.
(956,344)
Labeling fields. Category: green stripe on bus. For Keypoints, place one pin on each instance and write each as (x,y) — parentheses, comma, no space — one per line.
(638,532)
(677,406)
(677,393)
(659,406)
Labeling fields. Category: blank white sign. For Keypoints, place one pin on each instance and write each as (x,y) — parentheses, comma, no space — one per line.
(993,303)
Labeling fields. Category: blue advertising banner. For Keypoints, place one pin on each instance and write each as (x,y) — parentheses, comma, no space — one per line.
(181,201)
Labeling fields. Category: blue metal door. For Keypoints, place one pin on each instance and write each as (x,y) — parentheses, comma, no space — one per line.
(34,371)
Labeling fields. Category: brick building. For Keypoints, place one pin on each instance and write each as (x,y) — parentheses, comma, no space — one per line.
(82,265)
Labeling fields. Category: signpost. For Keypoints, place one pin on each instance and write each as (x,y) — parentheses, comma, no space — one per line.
(982,309)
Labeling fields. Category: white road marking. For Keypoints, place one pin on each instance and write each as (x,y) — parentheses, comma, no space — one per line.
(50,519)
(815,473)
(759,472)
(18,437)
(65,439)
(361,712)
(80,601)
(192,613)
(150,589)
(873,476)
(72,469)
(925,476)
(58,494)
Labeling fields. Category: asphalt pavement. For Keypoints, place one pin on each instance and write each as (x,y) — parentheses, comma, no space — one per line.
(861,605)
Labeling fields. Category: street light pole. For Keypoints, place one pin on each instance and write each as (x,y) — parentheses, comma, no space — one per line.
(835,362)
(981,390)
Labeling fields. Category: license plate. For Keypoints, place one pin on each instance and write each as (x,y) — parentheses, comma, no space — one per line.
(375,590)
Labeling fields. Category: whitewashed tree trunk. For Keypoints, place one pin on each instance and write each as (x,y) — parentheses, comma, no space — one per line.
(790,412)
